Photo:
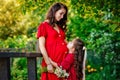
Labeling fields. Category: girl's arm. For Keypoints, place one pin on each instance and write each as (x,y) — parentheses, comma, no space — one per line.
(66,63)
(44,53)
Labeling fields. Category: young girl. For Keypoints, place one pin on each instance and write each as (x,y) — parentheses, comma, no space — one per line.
(74,63)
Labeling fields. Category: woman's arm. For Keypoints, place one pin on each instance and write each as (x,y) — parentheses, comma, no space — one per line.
(44,53)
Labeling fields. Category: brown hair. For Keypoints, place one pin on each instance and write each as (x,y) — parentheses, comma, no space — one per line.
(51,15)
(79,57)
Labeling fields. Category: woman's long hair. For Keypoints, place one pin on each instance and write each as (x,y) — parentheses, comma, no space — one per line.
(51,15)
(79,58)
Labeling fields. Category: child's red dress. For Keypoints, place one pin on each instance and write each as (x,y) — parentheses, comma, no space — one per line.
(68,64)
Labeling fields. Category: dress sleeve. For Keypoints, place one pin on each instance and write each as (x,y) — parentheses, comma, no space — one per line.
(67,62)
(41,30)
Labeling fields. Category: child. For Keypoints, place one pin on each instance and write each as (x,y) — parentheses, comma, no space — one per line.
(74,63)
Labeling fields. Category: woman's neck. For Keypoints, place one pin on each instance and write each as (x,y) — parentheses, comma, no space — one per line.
(47,20)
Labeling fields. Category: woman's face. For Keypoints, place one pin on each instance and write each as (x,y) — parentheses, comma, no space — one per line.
(60,14)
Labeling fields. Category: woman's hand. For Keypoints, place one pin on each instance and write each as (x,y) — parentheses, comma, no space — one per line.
(50,68)
(53,63)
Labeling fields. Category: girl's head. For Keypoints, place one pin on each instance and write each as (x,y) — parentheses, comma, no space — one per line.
(77,47)
(57,14)
(75,44)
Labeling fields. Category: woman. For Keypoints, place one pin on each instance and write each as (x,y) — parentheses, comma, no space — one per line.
(51,35)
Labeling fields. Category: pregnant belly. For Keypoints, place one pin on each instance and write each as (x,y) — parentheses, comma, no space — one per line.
(59,53)
(56,53)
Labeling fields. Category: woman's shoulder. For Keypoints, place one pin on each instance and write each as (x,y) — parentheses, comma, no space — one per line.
(43,23)
(46,22)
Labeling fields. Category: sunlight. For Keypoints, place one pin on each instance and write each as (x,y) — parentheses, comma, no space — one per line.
(8,0)
(12,1)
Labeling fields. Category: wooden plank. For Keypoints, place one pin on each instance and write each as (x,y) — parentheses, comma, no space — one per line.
(5,64)
(16,54)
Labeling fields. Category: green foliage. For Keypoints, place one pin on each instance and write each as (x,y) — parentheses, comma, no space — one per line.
(98,29)
(11,19)
(19,70)
(21,41)
(22,17)
(13,42)
(97,70)
(104,74)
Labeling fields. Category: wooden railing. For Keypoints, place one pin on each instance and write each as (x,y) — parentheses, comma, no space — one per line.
(5,64)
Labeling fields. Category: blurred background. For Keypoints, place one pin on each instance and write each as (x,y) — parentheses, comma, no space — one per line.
(96,22)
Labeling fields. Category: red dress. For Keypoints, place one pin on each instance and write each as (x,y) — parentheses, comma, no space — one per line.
(68,65)
(55,45)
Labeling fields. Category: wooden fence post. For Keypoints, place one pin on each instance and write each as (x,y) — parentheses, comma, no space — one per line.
(32,68)
(5,68)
